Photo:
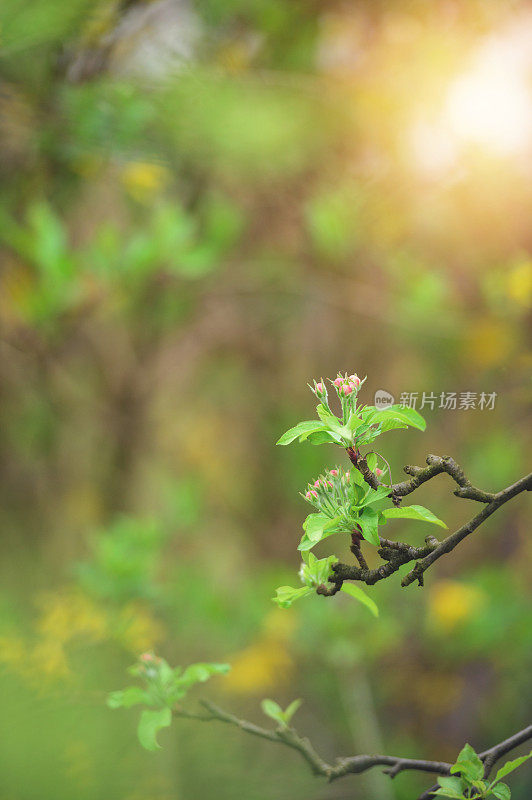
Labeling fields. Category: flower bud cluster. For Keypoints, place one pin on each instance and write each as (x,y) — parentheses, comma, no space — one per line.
(329,491)
(148,665)
(346,384)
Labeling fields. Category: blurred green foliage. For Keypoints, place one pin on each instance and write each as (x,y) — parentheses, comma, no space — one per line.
(184,244)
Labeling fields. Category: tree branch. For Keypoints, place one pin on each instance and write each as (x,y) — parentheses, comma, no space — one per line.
(398,553)
(450,542)
(355,764)
(437,465)
(358,764)
(395,553)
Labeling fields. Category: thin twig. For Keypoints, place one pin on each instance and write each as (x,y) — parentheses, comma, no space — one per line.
(285,735)
(450,542)
(437,465)
(355,764)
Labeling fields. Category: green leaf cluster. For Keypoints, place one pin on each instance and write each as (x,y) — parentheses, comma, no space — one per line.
(357,427)
(467,780)
(169,241)
(163,687)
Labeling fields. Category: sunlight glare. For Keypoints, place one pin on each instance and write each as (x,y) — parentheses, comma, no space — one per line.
(491,104)
(488,106)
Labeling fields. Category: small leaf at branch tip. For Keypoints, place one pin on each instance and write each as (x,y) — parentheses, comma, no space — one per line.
(272,709)
(291,709)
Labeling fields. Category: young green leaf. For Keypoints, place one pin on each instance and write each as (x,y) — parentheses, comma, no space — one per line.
(501,791)
(150,723)
(327,417)
(354,422)
(303,429)
(272,710)
(317,527)
(275,712)
(359,594)
(322,437)
(468,764)
(511,765)
(199,673)
(374,495)
(413,512)
(286,595)
(392,425)
(369,522)
(450,787)
(406,415)
(316,571)
(291,710)
(125,698)
(316,524)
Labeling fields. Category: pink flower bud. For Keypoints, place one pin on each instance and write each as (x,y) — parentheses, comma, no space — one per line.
(316,484)
(355,380)
(379,472)
(311,493)
(338,381)
(147,657)
(333,472)
(320,388)
(329,483)
(314,493)
(346,389)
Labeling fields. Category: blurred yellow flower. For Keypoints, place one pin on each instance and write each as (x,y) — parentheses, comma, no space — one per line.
(267,663)
(144,180)
(519,284)
(261,666)
(70,615)
(451,602)
(67,615)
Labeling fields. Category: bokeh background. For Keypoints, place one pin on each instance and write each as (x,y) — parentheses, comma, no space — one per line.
(204,206)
